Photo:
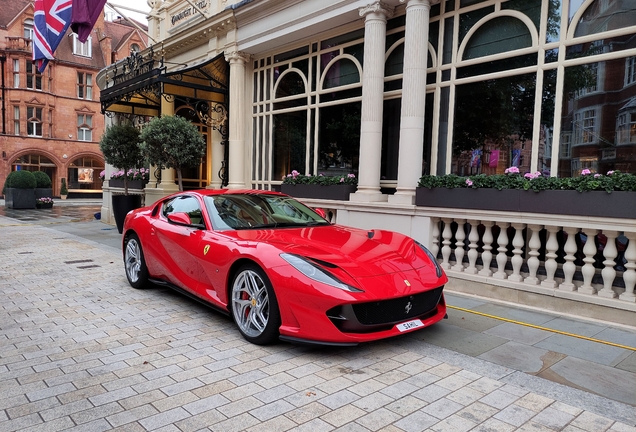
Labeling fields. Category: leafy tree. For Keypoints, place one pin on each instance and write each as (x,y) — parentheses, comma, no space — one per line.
(172,142)
(120,145)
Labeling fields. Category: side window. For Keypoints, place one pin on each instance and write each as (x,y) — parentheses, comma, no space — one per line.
(184,204)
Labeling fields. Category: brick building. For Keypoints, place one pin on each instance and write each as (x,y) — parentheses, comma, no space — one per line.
(51,121)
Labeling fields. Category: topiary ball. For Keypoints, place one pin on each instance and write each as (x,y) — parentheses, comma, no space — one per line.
(23,180)
(42,179)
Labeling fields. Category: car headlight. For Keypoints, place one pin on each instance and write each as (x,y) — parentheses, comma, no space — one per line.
(312,271)
(438,269)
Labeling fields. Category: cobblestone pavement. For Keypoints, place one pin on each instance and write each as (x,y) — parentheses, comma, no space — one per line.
(81,350)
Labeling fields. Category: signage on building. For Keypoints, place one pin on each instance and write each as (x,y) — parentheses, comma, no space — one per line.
(189,12)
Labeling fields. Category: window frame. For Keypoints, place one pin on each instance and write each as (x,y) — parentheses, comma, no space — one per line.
(34,122)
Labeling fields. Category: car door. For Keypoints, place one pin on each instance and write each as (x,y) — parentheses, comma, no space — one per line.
(176,244)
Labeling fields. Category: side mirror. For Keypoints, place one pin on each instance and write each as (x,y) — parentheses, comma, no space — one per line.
(321,212)
(179,218)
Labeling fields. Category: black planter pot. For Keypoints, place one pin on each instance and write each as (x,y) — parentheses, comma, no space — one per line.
(132,184)
(44,205)
(332,192)
(122,204)
(19,198)
(563,202)
(43,193)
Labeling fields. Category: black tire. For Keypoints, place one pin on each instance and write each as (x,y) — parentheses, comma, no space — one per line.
(254,305)
(134,263)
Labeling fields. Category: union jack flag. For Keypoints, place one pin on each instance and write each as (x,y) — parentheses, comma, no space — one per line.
(51,20)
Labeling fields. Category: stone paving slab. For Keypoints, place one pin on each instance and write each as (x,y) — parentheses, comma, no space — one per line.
(81,350)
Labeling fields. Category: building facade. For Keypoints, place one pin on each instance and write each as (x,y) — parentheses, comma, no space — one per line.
(52,122)
(394,89)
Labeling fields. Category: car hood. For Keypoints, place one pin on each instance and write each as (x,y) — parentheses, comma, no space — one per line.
(361,253)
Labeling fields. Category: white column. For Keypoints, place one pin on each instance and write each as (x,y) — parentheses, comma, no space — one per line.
(502,257)
(551,266)
(517,258)
(588,269)
(486,255)
(629,276)
(237,161)
(473,254)
(372,102)
(447,235)
(413,100)
(167,185)
(533,262)
(608,273)
(569,268)
(460,236)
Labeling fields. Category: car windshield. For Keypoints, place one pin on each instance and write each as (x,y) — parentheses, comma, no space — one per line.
(257,211)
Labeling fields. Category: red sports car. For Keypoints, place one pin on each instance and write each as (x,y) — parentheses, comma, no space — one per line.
(281,269)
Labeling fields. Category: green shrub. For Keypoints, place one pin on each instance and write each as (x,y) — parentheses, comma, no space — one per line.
(7,182)
(63,189)
(296,178)
(21,180)
(42,179)
(588,181)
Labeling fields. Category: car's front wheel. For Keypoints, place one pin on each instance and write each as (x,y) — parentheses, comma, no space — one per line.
(134,263)
(254,305)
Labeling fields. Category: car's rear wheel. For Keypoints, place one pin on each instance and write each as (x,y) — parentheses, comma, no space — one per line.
(254,305)
(136,270)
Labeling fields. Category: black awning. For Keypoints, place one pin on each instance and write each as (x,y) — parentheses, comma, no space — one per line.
(138,85)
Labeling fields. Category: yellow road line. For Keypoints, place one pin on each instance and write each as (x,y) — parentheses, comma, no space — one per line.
(543,328)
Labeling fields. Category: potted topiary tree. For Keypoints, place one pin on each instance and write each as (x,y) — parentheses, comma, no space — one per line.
(63,190)
(120,146)
(172,142)
(20,190)
(42,185)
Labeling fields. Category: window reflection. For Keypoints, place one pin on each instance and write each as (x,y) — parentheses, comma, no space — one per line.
(504,140)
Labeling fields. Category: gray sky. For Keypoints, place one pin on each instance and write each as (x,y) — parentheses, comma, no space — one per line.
(141,5)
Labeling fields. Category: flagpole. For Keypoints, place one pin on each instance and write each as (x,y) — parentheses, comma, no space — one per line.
(115,8)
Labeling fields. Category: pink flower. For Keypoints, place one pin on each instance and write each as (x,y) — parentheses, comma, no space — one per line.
(351,175)
(512,170)
(610,172)
(597,175)
(586,172)
(469,183)
(295,173)
(341,179)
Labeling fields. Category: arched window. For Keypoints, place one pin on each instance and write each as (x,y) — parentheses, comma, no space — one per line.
(498,35)
(290,84)
(28,29)
(342,72)
(601,16)
(134,48)
(34,121)
(83,173)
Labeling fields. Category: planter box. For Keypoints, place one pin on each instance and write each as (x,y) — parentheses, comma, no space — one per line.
(571,203)
(20,198)
(43,193)
(44,205)
(132,184)
(332,192)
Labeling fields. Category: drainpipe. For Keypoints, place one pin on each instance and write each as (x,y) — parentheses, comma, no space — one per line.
(3,59)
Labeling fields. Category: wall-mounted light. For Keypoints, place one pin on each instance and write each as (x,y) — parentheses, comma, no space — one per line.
(64,156)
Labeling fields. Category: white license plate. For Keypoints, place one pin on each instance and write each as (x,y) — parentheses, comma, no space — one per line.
(410,325)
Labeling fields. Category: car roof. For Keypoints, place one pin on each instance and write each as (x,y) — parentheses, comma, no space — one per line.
(210,192)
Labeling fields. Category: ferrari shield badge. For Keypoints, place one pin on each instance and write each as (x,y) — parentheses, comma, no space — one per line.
(206,249)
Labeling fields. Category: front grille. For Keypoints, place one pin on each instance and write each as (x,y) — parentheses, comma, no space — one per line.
(398,309)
